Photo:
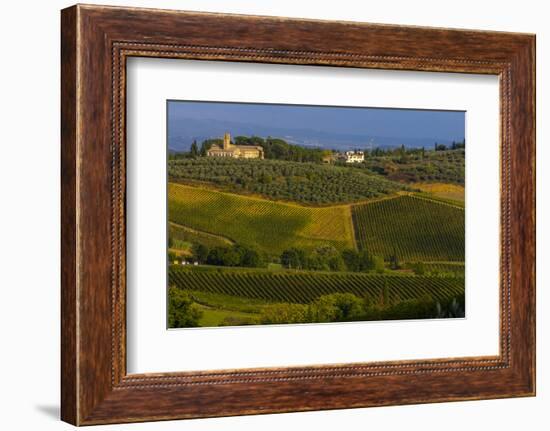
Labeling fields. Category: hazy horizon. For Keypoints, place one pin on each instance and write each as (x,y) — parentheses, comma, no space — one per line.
(322,126)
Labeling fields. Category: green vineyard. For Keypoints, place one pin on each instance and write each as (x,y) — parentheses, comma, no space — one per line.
(268,226)
(414,229)
(304,287)
(445,267)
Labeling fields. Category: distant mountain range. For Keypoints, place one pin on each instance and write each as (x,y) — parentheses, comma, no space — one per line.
(183,131)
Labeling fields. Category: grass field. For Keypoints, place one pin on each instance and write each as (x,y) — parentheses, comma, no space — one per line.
(415,229)
(222,317)
(454,192)
(439,199)
(305,286)
(188,235)
(269,226)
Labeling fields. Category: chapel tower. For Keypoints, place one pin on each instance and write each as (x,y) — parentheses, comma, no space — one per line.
(226,141)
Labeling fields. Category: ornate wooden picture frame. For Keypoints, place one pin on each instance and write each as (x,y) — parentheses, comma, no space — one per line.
(96,41)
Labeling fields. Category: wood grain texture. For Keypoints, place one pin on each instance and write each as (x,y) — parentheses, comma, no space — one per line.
(96,41)
(69,367)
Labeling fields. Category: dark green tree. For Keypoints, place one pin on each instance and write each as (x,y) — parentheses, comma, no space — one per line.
(216,256)
(249,257)
(377,264)
(293,258)
(366,262)
(194,151)
(182,310)
(337,307)
(403,154)
(419,268)
(207,143)
(394,261)
(351,260)
(236,255)
(200,252)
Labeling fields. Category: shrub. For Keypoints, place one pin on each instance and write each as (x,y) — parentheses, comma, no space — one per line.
(182,310)
(284,313)
(337,307)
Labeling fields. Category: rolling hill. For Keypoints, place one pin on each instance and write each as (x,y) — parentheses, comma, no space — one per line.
(413,228)
(271,227)
(306,286)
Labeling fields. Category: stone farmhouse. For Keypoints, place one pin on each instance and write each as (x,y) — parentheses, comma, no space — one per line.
(236,151)
(354,156)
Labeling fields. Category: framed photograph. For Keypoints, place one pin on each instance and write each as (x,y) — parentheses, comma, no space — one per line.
(287,222)
(264,214)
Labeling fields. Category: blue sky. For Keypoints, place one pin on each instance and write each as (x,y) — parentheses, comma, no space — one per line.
(192,118)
